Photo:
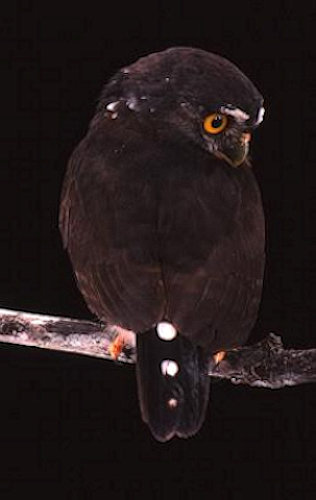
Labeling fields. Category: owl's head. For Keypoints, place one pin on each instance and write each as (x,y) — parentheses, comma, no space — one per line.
(199,95)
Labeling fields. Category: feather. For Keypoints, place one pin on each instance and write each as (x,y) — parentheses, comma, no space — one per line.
(160,229)
(172,405)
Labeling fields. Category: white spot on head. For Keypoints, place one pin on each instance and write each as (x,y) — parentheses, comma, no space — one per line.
(166,331)
(172,403)
(167,79)
(169,367)
(112,106)
(260,115)
(238,114)
(132,103)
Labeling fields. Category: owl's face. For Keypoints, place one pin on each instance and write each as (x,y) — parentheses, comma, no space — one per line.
(224,131)
(195,95)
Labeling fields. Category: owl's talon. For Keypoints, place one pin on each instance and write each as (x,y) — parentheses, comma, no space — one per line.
(116,347)
(122,339)
(219,356)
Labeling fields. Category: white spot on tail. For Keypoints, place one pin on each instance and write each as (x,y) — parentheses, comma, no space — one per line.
(169,367)
(166,331)
(172,403)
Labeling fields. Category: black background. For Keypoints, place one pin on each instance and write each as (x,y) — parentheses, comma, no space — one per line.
(70,425)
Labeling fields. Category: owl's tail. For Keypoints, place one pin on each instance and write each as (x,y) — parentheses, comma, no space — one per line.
(173,386)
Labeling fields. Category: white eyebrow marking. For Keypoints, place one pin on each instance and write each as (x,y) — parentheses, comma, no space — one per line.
(238,114)
(260,115)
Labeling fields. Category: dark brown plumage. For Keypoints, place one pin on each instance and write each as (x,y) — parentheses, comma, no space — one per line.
(161,225)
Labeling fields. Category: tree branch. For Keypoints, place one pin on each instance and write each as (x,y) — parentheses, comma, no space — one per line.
(265,364)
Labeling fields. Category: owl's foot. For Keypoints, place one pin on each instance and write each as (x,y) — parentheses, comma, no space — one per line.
(219,356)
(122,339)
(116,347)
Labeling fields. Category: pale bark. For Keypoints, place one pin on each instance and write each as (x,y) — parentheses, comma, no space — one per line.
(265,364)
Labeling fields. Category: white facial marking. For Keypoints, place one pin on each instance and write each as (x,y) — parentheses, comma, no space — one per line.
(260,115)
(169,367)
(166,331)
(238,114)
(112,106)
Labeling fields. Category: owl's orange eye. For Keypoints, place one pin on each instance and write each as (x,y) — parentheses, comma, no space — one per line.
(215,123)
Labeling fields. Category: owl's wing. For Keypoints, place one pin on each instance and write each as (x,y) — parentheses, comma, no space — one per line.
(110,238)
(213,257)
(165,243)
(177,243)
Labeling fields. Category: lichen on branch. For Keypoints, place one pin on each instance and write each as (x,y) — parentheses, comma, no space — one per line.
(265,364)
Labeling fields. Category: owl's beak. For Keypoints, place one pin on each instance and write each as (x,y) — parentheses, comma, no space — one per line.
(246,137)
(236,154)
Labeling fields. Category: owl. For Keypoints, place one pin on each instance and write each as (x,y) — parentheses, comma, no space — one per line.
(162,219)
